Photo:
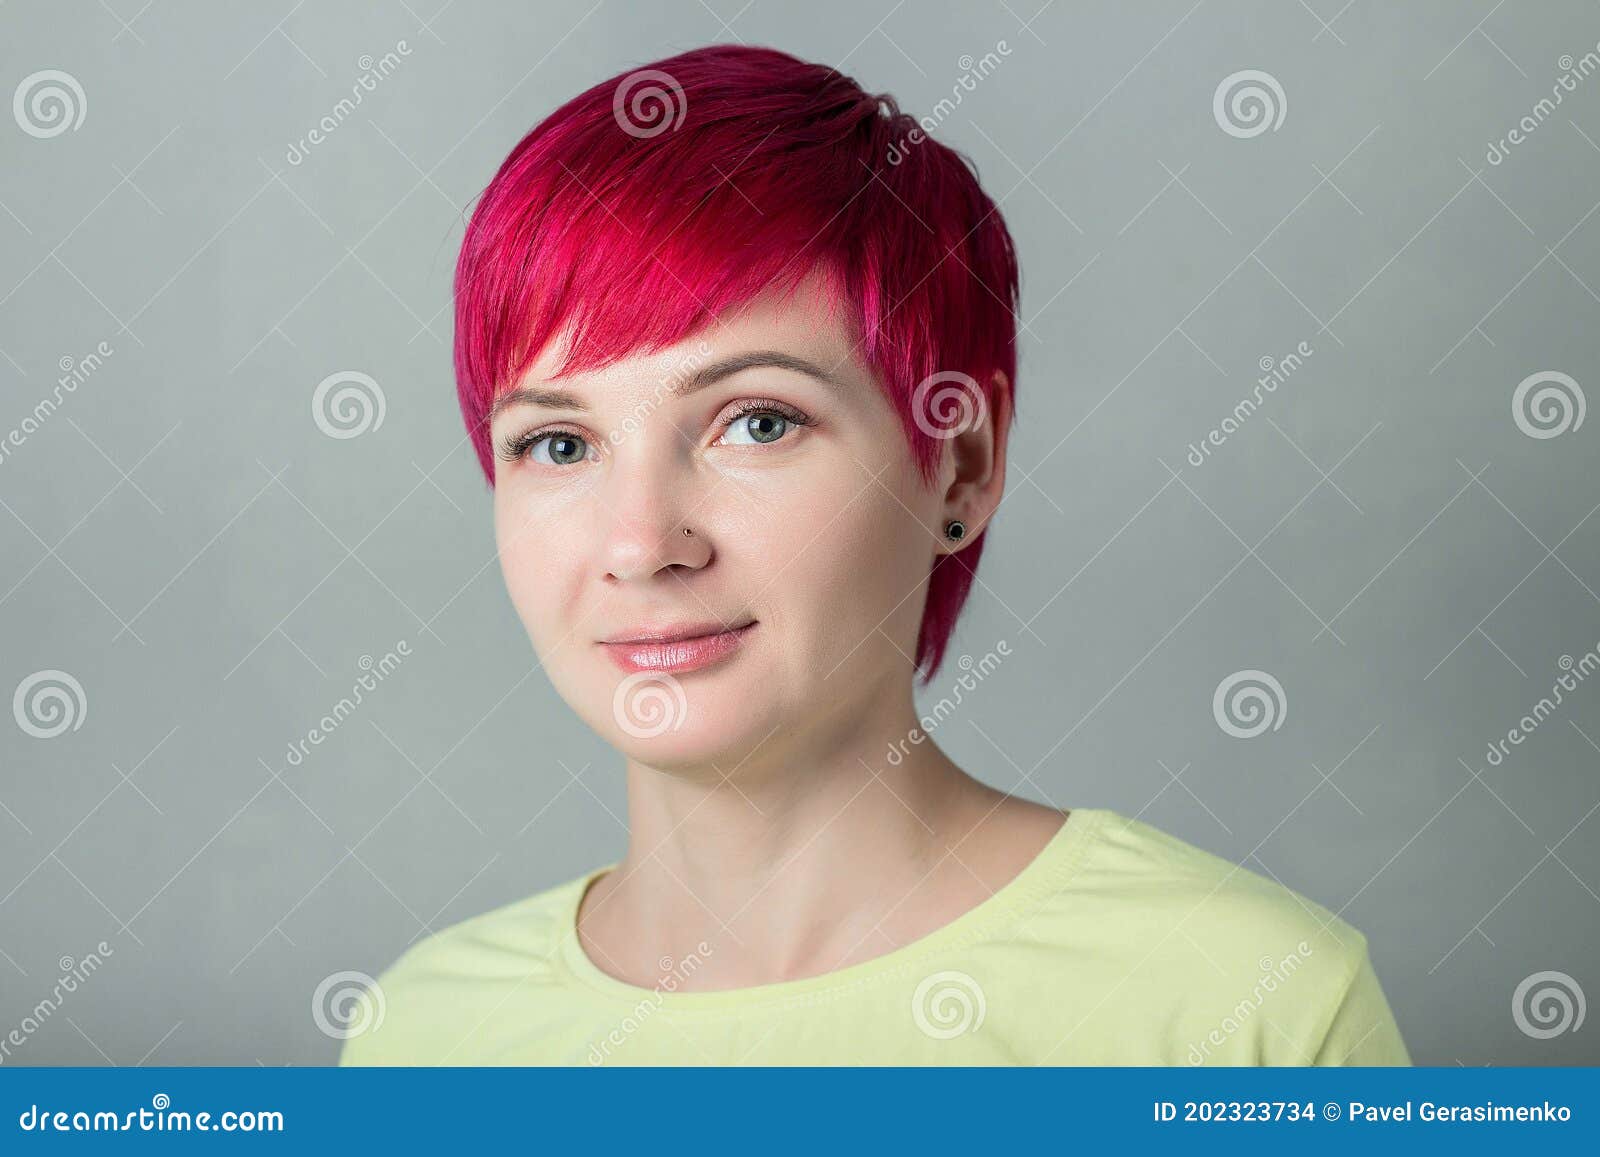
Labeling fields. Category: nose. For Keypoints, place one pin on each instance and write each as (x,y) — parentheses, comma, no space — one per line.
(643,518)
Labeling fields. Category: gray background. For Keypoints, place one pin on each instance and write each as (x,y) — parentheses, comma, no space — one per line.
(185,541)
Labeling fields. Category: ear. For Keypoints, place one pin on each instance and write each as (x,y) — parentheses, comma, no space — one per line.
(974,471)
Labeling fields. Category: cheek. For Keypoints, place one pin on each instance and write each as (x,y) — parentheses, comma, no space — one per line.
(528,562)
(843,557)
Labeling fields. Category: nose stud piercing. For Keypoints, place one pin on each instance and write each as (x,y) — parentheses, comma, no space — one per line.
(687,531)
(955,529)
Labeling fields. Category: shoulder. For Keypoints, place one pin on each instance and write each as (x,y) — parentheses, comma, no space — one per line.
(440,989)
(1242,957)
(1196,889)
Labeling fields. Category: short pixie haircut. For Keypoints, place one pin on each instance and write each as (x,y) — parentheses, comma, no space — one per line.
(641,210)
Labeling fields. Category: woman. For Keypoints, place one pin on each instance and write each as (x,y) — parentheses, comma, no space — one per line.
(735,347)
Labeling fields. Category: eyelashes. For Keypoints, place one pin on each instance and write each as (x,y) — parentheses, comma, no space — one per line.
(515,447)
(751,407)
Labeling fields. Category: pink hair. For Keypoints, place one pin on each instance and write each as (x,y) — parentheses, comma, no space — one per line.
(644,208)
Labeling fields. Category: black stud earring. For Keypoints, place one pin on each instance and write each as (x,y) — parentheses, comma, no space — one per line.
(955,529)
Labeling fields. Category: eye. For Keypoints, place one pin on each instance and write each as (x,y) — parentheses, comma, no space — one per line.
(759,428)
(761,423)
(546,447)
(561,449)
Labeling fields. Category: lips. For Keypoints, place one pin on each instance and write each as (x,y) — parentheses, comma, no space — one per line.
(672,633)
(676,649)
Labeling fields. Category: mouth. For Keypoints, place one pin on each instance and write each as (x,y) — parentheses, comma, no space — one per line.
(676,649)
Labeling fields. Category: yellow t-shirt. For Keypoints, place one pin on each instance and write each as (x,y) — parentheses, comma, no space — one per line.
(1117,945)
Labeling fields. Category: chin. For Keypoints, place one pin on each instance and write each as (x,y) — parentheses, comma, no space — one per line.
(706,749)
(680,723)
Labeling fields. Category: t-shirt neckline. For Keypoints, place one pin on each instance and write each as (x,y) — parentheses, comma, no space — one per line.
(1049,871)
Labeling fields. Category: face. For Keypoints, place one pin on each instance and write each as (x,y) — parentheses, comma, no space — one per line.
(805,575)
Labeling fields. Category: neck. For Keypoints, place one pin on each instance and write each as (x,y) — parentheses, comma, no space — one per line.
(805,857)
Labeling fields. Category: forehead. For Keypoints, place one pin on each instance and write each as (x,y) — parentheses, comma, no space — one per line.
(809,321)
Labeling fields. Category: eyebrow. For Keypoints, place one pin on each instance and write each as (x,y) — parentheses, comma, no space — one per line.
(699,380)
